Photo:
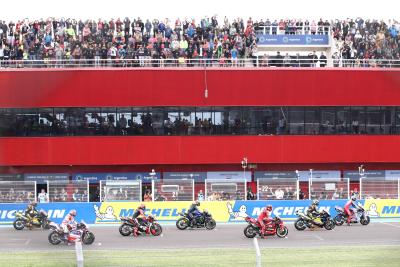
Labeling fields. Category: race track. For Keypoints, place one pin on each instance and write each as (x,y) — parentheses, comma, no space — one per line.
(224,236)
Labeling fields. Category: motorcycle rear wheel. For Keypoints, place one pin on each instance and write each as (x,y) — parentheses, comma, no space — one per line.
(19,224)
(182,223)
(249,231)
(300,225)
(210,224)
(125,230)
(156,229)
(54,238)
(88,238)
(282,232)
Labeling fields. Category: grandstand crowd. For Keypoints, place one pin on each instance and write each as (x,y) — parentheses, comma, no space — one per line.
(70,40)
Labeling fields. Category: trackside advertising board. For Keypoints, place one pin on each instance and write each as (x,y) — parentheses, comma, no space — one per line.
(222,211)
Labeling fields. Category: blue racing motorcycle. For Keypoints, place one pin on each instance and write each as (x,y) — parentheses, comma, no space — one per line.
(201,220)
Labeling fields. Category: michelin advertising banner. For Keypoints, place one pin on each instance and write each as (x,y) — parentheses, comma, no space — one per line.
(222,211)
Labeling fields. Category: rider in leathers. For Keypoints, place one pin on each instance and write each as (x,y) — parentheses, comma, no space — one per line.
(192,212)
(348,209)
(264,219)
(31,212)
(68,223)
(312,211)
(138,217)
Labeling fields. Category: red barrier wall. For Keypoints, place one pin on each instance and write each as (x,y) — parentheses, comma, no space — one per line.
(198,150)
(185,87)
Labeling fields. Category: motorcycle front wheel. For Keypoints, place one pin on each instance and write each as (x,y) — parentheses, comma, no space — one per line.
(182,223)
(156,229)
(249,231)
(282,232)
(210,224)
(330,224)
(300,225)
(88,238)
(125,230)
(365,221)
(19,224)
(54,238)
(339,220)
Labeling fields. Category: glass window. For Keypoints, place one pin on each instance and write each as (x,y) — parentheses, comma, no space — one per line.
(357,116)
(157,115)
(327,120)
(8,123)
(388,116)
(124,118)
(343,122)
(204,120)
(296,120)
(373,117)
(312,120)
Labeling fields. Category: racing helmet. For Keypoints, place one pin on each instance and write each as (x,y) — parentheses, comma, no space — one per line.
(268,207)
(197,203)
(72,213)
(353,198)
(33,204)
(142,206)
(316,202)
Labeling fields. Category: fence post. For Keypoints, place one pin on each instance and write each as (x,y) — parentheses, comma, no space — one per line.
(79,253)
(258,190)
(152,189)
(309,189)
(348,188)
(298,188)
(361,192)
(101,191)
(193,189)
(87,191)
(205,189)
(398,188)
(48,189)
(245,189)
(36,191)
(258,253)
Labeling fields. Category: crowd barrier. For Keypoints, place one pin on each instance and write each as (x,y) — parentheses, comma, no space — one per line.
(222,211)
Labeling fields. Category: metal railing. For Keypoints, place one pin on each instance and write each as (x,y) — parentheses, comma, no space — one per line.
(293,29)
(253,62)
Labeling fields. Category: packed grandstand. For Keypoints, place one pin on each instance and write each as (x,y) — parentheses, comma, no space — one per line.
(136,42)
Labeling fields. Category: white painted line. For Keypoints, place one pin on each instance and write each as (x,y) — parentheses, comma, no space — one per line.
(398,226)
(27,242)
(319,238)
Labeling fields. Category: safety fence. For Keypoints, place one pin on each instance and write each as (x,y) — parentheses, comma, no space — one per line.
(17,191)
(173,190)
(329,188)
(379,188)
(120,190)
(68,191)
(260,61)
(220,190)
(277,188)
(222,211)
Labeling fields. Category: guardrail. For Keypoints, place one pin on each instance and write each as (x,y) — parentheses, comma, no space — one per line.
(253,62)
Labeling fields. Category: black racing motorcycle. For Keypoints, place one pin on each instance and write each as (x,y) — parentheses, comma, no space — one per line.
(303,222)
(147,226)
(40,220)
(341,216)
(202,220)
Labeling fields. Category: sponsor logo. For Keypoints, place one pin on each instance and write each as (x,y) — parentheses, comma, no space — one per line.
(391,210)
(52,214)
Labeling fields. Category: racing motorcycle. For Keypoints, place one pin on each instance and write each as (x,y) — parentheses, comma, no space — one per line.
(325,221)
(148,226)
(40,220)
(276,227)
(341,216)
(78,232)
(202,220)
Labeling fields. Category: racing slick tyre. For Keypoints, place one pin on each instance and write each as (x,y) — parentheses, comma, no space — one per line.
(54,238)
(88,238)
(182,223)
(282,232)
(249,231)
(156,229)
(210,224)
(300,225)
(125,230)
(19,224)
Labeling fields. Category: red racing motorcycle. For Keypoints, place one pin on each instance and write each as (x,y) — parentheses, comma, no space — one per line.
(147,226)
(276,227)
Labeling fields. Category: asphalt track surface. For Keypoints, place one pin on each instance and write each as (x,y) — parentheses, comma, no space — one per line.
(224,236)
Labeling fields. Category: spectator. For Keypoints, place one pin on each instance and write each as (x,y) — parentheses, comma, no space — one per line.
(322,60)
(43,197)
(250,194)
(76,196)
(147,196)
(200,195)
